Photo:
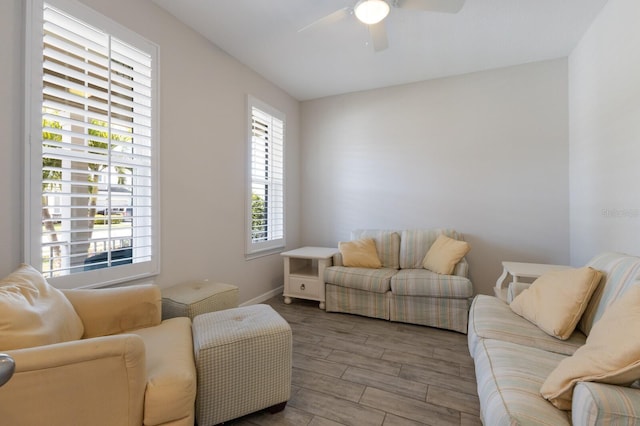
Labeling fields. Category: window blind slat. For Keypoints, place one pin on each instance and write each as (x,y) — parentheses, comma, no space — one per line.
(96,146)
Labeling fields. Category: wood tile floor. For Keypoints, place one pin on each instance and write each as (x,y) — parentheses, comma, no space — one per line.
(352,370)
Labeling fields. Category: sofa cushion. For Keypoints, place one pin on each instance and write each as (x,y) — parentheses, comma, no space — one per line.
(610,355)
(34,313)
(509,377)
(440,312)
(360,253)
(444,254)
(375,280)
(556,300)
(415,243)
(491,318)
(387,245)
(171,373)
(421,282)
(620,272)
(359,302)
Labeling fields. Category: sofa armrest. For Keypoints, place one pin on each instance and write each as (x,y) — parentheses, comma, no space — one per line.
(601,404)
(95,381)
(116,310)
(337,259)
(515,289)
(462,268)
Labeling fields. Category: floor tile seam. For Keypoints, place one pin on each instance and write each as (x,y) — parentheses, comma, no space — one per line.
(402,417)
(324,360)
(454,388)
(427,406)
(332,347)
(426,364)
(390,364)
(310,328)
(334,395)
(461,409)
(354,404)
(373,386)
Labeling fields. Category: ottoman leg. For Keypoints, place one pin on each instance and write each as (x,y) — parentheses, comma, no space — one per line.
(277,408)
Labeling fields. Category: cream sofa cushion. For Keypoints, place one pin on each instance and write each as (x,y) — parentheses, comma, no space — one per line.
(360,253)
(556,300)
(171,372)
(444,254)
(34,313)
(610,355)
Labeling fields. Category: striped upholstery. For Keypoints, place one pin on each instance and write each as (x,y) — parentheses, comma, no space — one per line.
(355,301)
(243,361)
(491,318)
(513,358)
(412,294)
(600,404)
(415,243)
(620,272)
(462,268)
(509,380)
(447,313)
(375,280)
(421,282)
(387,244)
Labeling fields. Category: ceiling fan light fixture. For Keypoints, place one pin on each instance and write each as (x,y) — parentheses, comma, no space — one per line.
(371,11)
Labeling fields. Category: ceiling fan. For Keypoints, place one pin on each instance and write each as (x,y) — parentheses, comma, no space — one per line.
(373,12)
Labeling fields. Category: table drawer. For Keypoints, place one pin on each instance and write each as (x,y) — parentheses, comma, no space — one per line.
(304,287)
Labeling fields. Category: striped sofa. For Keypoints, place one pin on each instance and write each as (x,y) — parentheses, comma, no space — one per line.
(402,290)
(513,358)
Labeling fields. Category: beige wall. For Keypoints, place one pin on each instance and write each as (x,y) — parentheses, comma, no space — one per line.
(604,105)
(484,153)
(203,145)
(11,94)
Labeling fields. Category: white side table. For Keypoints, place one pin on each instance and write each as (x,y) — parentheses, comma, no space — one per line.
(520,270)
(304,273)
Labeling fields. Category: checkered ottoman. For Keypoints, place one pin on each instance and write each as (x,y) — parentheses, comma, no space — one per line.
(243,363)
(197,297)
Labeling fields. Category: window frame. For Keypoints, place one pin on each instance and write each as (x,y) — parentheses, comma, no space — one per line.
(33,116)
(271,245)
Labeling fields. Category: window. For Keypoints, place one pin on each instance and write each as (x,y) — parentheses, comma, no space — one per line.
(92,154)
(265,215)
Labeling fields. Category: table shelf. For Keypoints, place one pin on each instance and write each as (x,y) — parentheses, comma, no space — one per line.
(304,273)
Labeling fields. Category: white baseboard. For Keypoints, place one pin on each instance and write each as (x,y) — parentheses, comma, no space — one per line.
(266,296)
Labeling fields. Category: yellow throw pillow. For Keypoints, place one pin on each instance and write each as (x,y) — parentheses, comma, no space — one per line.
(556,300)
(360,253)
(444,254)
(610,355)
(33,313)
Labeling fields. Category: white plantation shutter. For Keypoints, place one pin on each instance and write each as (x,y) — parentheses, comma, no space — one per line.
(266,175)
(93,153)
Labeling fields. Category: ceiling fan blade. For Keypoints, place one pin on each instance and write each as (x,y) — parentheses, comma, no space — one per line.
(329,19)
(378,34)
(445,6)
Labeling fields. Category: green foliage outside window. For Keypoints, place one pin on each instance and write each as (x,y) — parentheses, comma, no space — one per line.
(258,218)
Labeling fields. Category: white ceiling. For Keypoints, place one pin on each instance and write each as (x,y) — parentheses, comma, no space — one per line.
(336,58)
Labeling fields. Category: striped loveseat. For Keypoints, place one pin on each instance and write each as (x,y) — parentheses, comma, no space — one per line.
(513,358)
(402,290)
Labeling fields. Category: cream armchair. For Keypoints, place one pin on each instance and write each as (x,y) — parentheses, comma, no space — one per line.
(127,367)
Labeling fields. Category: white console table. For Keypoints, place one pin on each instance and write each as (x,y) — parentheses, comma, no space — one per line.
(304,273)
(520,271)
